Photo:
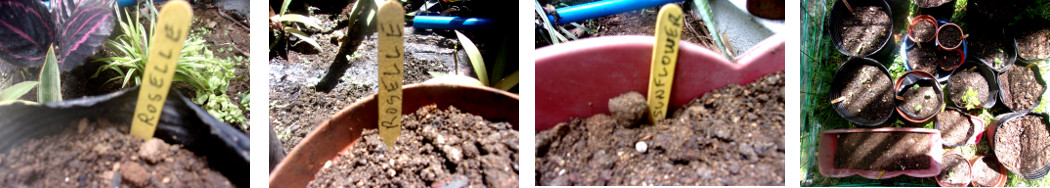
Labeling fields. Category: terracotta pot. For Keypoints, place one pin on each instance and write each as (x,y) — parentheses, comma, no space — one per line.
(969,177)
(950,25)
(344,129)
(962,59)
(577,79)
(829,145)
(918,19)
(917,77)
(1002,171)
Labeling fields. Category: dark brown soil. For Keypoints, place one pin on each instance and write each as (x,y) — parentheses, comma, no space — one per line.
(949,60)
(955,127)
(730,136)
(991,50)
(1023,144)
(1033,43)
(924,31)
(955,170)
(890,151)
(923,59)
(986,172)
(643,22)
(1020,90)
(865,30)
(869,93)
(436,147)
(964,81)
(949,36)
(99,156)
(921,102)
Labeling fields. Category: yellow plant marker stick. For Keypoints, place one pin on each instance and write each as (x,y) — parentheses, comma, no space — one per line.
(173,24)
(665,56)
(391,59)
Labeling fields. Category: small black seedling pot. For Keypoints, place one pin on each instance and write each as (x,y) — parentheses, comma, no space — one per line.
(879,105)
(989,76)
(839,12)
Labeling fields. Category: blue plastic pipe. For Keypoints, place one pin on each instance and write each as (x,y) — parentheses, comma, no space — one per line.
(449,22)
(124,3)
(602,8)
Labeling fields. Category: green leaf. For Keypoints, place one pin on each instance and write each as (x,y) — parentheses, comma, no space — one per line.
(296,18)
(305,38)
(17,91)
(284,6)
(508,82)
(475,57)
(50,83)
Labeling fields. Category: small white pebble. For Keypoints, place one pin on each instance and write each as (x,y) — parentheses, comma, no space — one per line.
(641,146)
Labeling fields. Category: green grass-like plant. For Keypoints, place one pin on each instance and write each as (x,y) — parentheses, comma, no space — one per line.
(197,65)
(286,23)
(478,63)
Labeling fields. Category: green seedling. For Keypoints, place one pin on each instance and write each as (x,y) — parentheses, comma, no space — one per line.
(285,23)
(478,63)
(917,107)
(970,99)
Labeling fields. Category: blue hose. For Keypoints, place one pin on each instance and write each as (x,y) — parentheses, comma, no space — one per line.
(125,3)
(449,22)
(602,8)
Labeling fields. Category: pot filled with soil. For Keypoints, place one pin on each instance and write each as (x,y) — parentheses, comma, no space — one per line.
(572,111)
(923,28)
(860,29)
(985,171)
(1022,143)
(930,3)
(950,36)
(929,58)
(580,77)
(1033,40)
(920,97)
(955,170)
(442,143)
(862,92)
(85,143)
(951,59)
(994,49)
(880,153)
(1021,87)
(958,128)
(973,86)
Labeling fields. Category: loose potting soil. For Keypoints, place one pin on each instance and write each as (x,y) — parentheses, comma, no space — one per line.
(923,59)
(1019,88)
(931,3)
(890,151)
(955,127)
(949,60)
(1033,43)
(729,136)
(964,81)
(986,172)
(924,31)
(868,93)
(1023,144)
(863,32)
(922,102)
(955,170)
(101,156)
(949,36)
(990,50)
(436,147)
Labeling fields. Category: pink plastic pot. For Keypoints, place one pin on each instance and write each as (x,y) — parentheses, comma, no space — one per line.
(577,79)
(829,145)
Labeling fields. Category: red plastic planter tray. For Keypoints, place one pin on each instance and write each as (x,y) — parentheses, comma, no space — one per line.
(577,79)
(829,145)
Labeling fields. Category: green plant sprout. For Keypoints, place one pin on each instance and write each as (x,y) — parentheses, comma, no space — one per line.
(197,65)
(970,99)
(49,90)
(918,107)
(915,87)
(478,63)
(287,23)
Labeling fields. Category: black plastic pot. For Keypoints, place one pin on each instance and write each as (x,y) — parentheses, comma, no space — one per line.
(943,9)
(839,82)
(840,12)
(1003,92)
(977,39)
(922,79)
(1004,118)
(182,122)
(989,76)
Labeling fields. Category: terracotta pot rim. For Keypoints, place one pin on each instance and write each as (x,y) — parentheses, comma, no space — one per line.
(937,36)
(1002,171)
(936,84)
(937,178)
(921,18)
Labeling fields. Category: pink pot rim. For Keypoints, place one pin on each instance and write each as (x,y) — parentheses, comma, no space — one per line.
(620,64)
(829,144)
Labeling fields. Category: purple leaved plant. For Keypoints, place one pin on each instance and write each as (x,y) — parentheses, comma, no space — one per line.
(76,28)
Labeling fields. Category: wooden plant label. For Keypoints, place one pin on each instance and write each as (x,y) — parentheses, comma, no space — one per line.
(391,57)
(665,56)
(173,24)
